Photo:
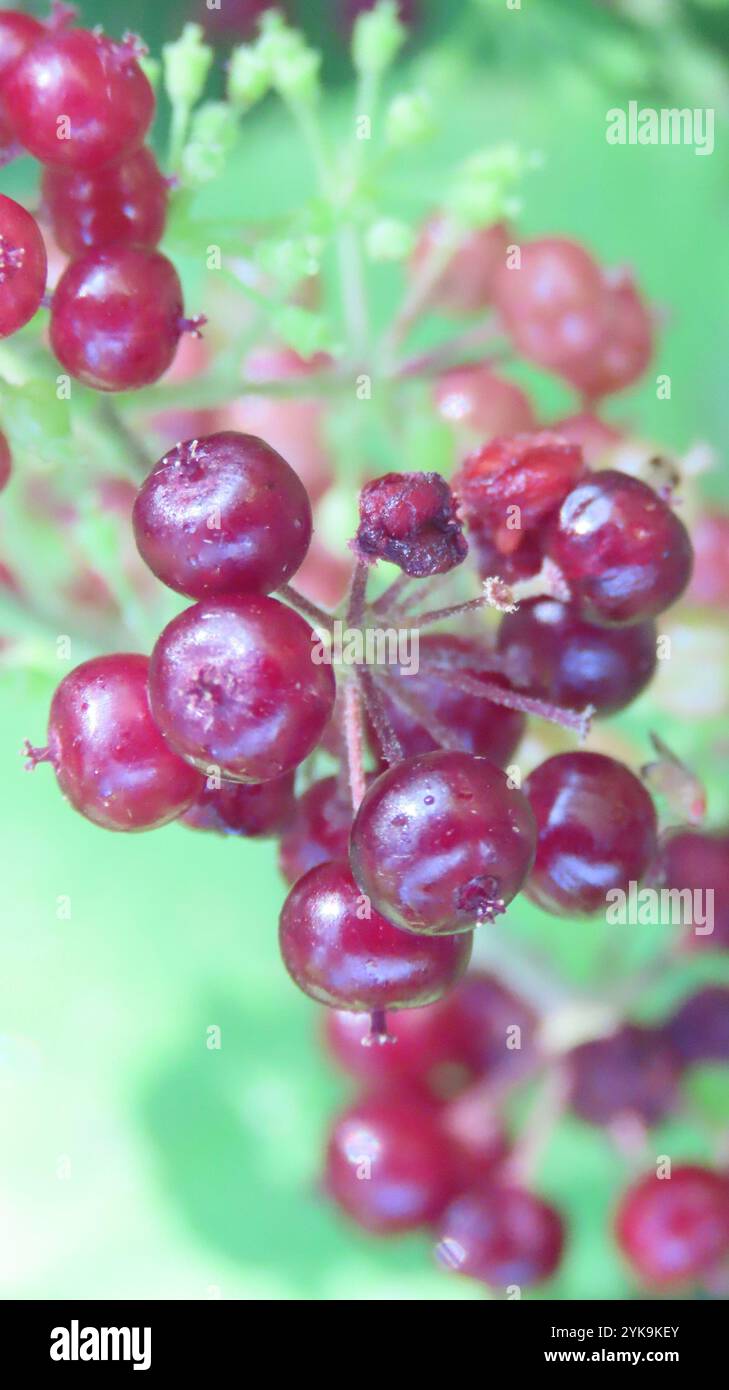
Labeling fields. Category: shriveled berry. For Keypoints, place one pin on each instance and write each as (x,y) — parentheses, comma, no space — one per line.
(466,283)
(634,1072)
(233,686)
(410,519)
(502,1235)
(222,514)
(319,829)
(699,1029)
(552,653)
(441,842)
(479,402)
(695,863)
(343,953)
(596,832)
(116,317)
(23,266)
(389,1165)
(675,1230)
(123,203)
(79,100)
(253,810)
(624,553)
(110,758)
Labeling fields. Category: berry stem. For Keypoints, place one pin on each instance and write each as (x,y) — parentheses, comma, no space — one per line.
(446,738)
(304,605)
(511,699)
(388,739)
(357,594)
(354,737)
(453,352)
(544,1116)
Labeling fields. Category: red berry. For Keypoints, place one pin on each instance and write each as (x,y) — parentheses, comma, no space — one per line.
(510,487)
(110,758)
(553,654)
(466,284)
(23,266)
(626,342)
(6,461)
(596,832)
(634,1072)
(441,842)
(253,809)
(480,727)
(122,204)
(697,862)
(552,303)
(624,554)
(710,579)
(116,317)
(233,686)
(675,1230)
(17,33)
(477,401)
(490,1028)
(410,519)
(294,425)
(423,1053)
(389,1165)
(476,1136)
(341,952)
(592,435)
(79,100)
(222,514)
(699,1029)
(319,829)
(502,1235)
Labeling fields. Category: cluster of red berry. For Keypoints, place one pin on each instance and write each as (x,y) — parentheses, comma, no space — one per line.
(422,834)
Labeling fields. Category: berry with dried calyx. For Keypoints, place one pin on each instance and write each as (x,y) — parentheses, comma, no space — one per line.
(410,519)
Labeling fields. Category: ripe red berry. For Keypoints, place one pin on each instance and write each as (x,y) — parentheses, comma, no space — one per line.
(294,425)
(675,1230)
(592,435)
(479,402)
(596,832)
(110,758)
(552,302)
(116,317)
(553,654)
(251,809)
(120,204)
(410,519)
(490,1028)
(17,33)
(466,284)
(233,686)
(696,862)
(623,552)
(625,346)
(710,579)
(509,488)
(476,1135)
(6,461)
(634,1072)
(423,1054)
(478,726)
(78,100)
(502,1235)
(319,829)
(389,1165)
(342,952)
(441,842)
(222,514)
(23,266)
(699,1030)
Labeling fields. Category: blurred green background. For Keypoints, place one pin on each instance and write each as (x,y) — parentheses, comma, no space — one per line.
(135,1161)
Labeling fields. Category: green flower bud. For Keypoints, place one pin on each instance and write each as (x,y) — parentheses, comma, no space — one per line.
(249,76)
(186,66)
(389,240)
(302,330)
(483,187)
(293,65)
(377,38)
(289,260)
(408,119)
(213,135)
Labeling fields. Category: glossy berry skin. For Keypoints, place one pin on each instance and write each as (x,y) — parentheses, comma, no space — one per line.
(222,514)
(233,686)
(23,266)
(501,1235)
(624,554)
(410,519)
(95,83)
(18,32)
(120,204)
(490,1029)
(466,284)
(552,653)
(424,1055)
(551,304)
(319,829)
(476,401)
(116,318)
(476,1135)
(634,1072)
(6,462)
(697,861)
(674,1231)
(110,758)
(254,810)
(511,486)
(441,842)
(596,832)
(477,725)
(341,952)
(389,1165)
(699,1029)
